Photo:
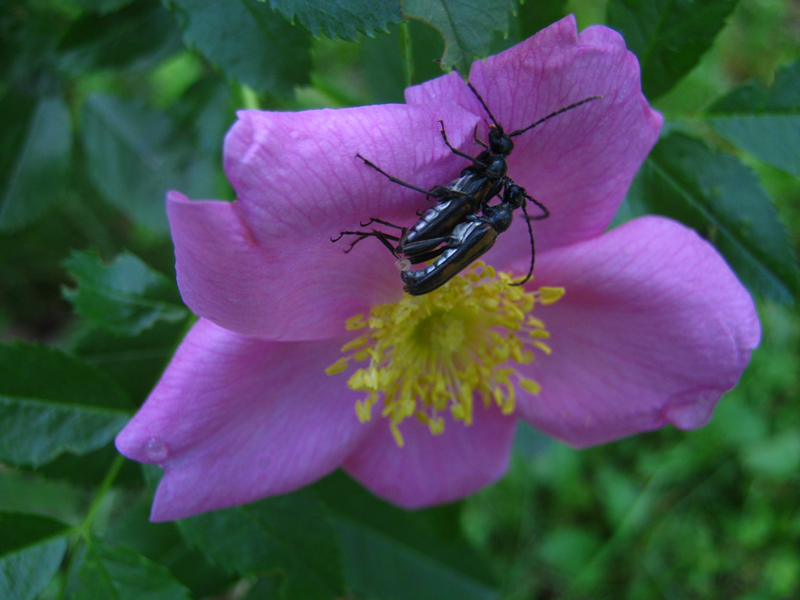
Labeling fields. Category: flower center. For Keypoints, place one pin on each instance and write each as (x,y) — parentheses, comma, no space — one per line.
(441,351)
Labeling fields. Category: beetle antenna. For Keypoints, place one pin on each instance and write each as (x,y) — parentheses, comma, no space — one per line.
(533,246)
(551,115)
(483,104)
(545,212)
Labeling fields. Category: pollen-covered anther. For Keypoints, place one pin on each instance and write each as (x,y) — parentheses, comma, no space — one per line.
(440,352)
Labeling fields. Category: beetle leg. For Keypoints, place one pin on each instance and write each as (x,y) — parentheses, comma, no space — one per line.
(456,151)
(477,141)
(362,235)
(382,222)
(424,250)
(430,255)
(384,239)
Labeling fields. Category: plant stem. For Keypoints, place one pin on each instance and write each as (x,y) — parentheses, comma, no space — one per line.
(113,471)
(406,54)
(84,529)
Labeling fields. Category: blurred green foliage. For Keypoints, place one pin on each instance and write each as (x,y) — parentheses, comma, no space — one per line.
(106,104)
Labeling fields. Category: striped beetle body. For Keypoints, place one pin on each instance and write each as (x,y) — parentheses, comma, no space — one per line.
(452,233)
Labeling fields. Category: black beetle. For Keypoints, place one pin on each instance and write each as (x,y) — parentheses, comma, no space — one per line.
(451,231)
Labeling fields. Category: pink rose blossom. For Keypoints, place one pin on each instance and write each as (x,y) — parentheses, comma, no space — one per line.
(652,329)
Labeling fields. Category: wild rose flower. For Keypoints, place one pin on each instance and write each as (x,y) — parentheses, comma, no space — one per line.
(652,328)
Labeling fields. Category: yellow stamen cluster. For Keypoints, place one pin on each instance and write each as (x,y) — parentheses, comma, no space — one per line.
(438,352)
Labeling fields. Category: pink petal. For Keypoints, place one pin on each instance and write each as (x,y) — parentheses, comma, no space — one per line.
(276,291)
(434,469)
(265,265)
(653,328)
(235,419)
(580,163)
(297,177)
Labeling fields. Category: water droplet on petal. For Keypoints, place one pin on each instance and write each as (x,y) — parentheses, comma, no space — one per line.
(156,450)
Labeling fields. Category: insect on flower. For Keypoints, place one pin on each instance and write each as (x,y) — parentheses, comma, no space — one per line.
(652,328)
(451,233)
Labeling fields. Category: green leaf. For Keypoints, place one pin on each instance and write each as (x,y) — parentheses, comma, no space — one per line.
(249,41)
(721,198)
(119,573)
(139,35)
(134,159)
(383,66)
(101,6)
(28,38)
(764,121)
(23,491)
(164,544)
(207,109)
(31,550)
(777,457)
(287,534)
(535,15)
(267,587)
(51,402)
(31,275)
(341,18)
(467,26)
(569,550)
(134,362)
(125,144)
(34,156)
(394,554)
(125,296)
(668,37)
(90,469)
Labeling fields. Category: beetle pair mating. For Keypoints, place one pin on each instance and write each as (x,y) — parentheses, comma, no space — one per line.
(452,233)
